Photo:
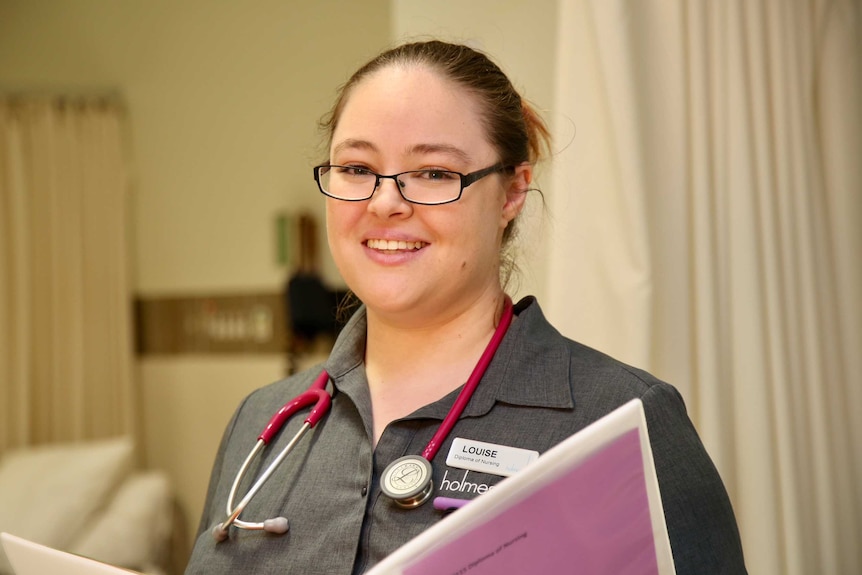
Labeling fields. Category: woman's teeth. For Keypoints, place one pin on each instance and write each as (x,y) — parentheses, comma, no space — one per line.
(393,245)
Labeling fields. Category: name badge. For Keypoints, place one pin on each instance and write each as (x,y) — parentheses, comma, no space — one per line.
(488,457)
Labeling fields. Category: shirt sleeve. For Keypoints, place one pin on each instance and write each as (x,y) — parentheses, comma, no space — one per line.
(206,520)
(701,525)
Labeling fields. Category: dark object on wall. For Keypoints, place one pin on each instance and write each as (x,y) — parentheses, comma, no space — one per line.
(311,307)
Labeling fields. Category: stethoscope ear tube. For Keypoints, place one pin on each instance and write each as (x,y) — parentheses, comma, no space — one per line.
(233,512)
(315,395)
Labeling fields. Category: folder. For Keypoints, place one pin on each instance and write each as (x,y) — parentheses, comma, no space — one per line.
(590,505)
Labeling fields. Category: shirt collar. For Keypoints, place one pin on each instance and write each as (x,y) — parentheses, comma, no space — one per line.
(531,367)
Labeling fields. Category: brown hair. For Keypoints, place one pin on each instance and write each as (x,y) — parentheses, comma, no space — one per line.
(514,128)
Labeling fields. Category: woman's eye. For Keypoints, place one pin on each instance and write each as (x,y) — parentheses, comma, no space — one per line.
(353,171)
(437,175)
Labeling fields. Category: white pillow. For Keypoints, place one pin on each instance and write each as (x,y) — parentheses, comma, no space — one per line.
(48,493)
(134,531)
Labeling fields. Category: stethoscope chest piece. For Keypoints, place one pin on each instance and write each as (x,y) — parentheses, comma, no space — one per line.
(407,480)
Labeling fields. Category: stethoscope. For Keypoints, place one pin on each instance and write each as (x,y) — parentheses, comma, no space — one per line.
(407,480)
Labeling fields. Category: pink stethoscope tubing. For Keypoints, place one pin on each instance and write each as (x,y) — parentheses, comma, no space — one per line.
(472,383)
(316,394)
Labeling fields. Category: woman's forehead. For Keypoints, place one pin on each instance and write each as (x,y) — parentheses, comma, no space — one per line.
(416,149)
(412,108)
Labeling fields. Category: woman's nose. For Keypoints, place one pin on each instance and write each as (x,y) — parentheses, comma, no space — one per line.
(387,200)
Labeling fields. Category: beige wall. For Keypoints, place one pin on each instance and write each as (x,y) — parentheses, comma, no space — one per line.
(223,102)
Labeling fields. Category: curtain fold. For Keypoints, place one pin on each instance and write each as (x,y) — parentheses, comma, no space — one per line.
(65,315)
(732,132)
(596,109)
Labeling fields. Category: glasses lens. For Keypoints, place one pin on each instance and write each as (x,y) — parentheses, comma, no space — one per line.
(347,182)
(430,186)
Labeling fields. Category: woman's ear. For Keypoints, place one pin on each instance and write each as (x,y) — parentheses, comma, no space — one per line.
(516,192)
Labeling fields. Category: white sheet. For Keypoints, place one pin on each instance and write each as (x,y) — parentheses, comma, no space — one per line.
(28,558)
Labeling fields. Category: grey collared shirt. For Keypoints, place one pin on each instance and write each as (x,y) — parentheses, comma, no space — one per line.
(539,389)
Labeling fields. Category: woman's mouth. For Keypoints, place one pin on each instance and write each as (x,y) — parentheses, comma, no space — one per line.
(394,245)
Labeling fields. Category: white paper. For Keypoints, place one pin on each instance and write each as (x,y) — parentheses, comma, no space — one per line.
(28,558)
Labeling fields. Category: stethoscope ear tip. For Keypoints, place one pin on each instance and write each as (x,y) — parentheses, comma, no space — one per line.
(219,533)
(277,525)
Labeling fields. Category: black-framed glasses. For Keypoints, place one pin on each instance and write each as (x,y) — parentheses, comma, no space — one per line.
(425,187)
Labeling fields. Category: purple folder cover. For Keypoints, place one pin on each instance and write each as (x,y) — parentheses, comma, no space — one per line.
(595,519)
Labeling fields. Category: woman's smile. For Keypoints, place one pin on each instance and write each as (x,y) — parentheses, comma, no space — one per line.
(394,245)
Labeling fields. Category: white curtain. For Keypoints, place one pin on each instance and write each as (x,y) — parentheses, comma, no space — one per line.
(707,227)
(65,318)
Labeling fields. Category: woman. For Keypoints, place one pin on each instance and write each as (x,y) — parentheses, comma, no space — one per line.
(431,153)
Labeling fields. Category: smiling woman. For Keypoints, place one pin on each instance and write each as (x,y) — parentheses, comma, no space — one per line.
(437,354)
(409,117)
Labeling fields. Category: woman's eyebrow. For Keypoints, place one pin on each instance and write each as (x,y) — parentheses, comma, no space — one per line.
(448,149)
(353,144)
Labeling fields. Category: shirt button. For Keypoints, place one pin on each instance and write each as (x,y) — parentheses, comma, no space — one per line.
(364,490)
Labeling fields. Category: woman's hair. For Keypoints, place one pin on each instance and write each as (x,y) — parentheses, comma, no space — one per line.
(513,127)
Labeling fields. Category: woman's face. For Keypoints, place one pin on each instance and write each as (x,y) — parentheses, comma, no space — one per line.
(447,256)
